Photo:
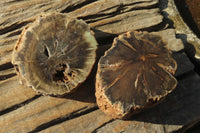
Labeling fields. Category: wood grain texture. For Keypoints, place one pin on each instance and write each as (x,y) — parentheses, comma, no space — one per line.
(38,112)
(118,17)
(12,93)
(22,110)
(86,124)
(105,7)
(7,73)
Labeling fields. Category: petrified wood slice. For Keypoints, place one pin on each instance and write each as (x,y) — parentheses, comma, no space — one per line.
(55,54)
(135,73)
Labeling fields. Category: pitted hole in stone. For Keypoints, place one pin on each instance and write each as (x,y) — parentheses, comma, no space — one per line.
(72,74)
(59,74)
(46,52)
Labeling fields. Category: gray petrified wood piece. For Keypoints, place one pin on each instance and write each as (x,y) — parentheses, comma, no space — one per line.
(55,54)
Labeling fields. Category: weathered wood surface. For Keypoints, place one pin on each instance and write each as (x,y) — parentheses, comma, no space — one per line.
(23,110)
(16,15)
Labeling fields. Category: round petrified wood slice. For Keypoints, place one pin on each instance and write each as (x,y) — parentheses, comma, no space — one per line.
(135,73)
(55,54)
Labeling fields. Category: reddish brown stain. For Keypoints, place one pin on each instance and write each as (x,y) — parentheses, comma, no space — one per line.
(190,12)
(194,8)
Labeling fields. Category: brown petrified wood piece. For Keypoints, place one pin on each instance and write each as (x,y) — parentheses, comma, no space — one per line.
(55,54)
(135,73)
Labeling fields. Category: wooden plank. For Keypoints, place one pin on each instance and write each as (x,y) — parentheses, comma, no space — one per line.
(12,93)
(40,111)
(84,124)
(112,6)
(14,13)
(134,20)
(12,20)
(8,73)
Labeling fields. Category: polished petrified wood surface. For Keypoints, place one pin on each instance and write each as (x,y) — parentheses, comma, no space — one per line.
(24,110)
